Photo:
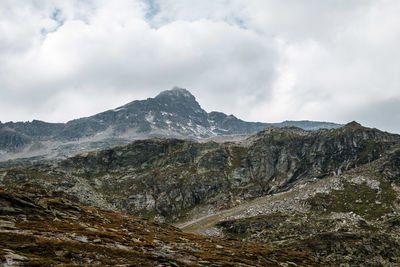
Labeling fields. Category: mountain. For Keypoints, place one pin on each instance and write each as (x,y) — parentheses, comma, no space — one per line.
(40,227)
(330,193)
(173,113)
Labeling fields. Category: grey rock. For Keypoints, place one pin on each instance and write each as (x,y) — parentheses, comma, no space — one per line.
(173,113)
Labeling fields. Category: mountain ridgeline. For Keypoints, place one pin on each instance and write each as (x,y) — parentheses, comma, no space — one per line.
(173,113)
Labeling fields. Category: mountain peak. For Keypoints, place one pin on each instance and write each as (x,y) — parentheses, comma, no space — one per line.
(353,124)
(176,92)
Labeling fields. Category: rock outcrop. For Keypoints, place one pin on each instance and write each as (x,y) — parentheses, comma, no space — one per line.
(351,218)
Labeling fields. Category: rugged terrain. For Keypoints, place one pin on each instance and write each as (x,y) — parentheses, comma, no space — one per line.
(173,113)
(39,227)
(331,193)
(351,218)
(167,178)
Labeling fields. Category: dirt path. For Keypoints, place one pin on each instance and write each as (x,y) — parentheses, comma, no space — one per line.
(243,210)
(289,201)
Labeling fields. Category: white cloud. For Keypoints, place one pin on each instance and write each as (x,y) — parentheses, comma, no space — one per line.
(260,60)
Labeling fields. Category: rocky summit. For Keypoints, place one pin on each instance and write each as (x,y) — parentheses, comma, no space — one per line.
(173,113)
(333,194)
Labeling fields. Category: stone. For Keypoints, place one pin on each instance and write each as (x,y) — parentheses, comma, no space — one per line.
(7,224)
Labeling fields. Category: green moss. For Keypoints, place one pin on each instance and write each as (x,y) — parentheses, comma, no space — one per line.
(239,156)
(361,199)
(370,149)
(92,175)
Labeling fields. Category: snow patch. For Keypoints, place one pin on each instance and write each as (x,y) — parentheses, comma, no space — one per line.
(150,117)
(166,113)
(118,109)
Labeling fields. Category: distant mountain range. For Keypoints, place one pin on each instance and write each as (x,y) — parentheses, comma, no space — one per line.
(173,113)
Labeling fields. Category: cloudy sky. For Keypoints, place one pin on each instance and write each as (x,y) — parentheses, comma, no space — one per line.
(261,60)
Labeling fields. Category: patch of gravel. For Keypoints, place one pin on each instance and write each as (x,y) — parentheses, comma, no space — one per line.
(293,200)
(213,231)
(373,184)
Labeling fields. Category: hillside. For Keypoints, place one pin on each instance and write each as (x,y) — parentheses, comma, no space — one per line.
(353,217)
(39,227)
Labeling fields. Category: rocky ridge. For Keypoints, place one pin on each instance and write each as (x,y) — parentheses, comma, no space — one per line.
(173,113)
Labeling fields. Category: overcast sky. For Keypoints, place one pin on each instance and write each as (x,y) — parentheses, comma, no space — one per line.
(261,60)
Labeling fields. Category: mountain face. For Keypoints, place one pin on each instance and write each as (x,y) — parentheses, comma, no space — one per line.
(331,193)
(351,218)
(173,113)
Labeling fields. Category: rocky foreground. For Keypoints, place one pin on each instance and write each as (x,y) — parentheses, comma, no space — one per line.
(40,227)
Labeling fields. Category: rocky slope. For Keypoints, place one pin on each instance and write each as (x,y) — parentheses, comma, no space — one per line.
(173,113)
(349,218)
(39,227)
